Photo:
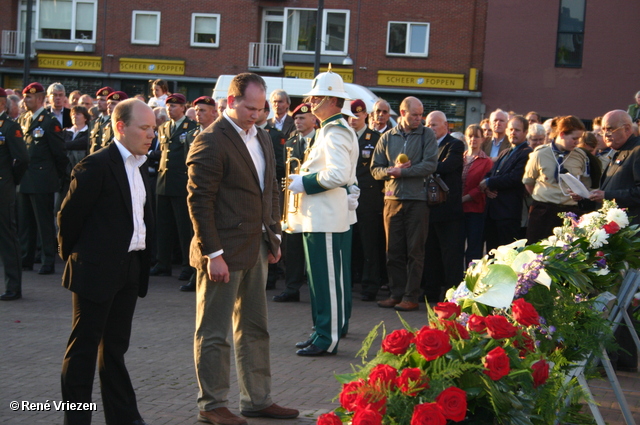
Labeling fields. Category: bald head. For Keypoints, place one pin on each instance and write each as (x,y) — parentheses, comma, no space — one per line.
(616,126)
(411,111)
(437,121)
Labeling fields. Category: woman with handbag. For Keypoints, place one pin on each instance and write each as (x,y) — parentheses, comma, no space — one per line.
(476,165)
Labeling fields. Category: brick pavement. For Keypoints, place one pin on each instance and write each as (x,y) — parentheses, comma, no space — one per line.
(160,360)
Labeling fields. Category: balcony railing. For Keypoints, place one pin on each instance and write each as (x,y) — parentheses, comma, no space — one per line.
(13,44)
(266,57)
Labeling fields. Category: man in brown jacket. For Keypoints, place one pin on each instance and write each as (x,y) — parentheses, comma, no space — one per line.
(233,203)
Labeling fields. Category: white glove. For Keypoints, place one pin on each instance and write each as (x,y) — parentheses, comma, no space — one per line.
(352,197)
(296,185)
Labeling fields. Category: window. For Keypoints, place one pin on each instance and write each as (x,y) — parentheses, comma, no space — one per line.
(300,31)
(145,28)
(205,28)
(72,20)
(408,39)
(570,34)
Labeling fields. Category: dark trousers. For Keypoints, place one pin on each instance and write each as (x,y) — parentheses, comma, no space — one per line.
(368,250)
(406,225)
(473,231)
(295,264)
(443,258)
(543,217)
(9,244)
(173,214)
(101,330)
(35,219)
(501,232)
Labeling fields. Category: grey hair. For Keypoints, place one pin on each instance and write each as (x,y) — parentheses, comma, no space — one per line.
(55,87)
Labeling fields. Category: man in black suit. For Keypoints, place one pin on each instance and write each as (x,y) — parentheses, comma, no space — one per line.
(47,165)
(171,189)
(444,250)
(14,160)
(57,97)
(280,101)
(368,253)
(105,227)
(504,187)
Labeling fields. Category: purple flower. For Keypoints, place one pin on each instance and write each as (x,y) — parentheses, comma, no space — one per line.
(602,263)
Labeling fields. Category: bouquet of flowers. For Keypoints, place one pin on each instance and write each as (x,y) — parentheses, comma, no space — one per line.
(460,368)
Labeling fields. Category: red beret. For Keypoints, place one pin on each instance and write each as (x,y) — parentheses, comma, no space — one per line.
(358,106)
(2,92)
(303,108)
(33,88)
(177,98)
(118,96)
(105,91)
(204,99)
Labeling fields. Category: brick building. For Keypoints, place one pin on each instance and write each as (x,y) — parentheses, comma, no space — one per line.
(433,50)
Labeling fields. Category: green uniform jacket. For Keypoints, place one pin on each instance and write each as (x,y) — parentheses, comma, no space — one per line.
(172,170)
(14,158)
(47,156)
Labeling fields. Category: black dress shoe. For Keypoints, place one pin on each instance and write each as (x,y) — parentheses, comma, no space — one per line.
(368,297)
(159,271)
(185,274)
(304,344)
(313,351)
(10,296)
(47,269)
(286,297)
(189,287)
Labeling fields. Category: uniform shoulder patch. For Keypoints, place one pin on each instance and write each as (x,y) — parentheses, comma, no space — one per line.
(18,133)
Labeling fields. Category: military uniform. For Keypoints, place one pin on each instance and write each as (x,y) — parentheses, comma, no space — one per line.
(14,160)
(47,165)
(172,193)
(325,220)
(369,239)
(98,125)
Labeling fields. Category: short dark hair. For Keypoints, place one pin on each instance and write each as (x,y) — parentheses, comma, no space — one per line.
(523,120)
(83,111)
(240,82)
(339,102)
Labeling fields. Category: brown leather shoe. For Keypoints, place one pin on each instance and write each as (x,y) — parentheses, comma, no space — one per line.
(274,411)
(406,306)
(388,303)
(220,416)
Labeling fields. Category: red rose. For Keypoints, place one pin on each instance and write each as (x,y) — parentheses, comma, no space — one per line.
(428,414)
(496,364)
(432,343)
(453,403)
(397,342)
(411,381)
(540,372)
(476,324)
(524,343)
(447,311)
(383,377)
(349,394)
(367,417)
(455,329)
(525,313)
(611,228)
(329,419)
(370,400)
(499,327)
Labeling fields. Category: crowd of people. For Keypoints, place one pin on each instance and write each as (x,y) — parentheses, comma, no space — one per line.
(358,209)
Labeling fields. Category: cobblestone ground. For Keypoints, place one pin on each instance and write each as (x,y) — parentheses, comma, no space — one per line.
(34,332)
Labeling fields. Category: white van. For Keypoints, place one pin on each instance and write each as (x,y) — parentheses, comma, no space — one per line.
(296,89)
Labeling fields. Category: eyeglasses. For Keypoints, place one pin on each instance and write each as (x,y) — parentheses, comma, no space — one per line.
(608,131)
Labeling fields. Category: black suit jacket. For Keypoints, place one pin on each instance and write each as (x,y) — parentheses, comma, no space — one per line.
(288,126)
(278,140)
(96,226)
(66,117)
(505,177)
(450,163)
(621,179)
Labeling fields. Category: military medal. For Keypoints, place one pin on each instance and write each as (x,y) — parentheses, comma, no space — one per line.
(183,138)
(38,132)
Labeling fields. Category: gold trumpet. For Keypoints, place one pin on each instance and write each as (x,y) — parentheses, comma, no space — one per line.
(291,200)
